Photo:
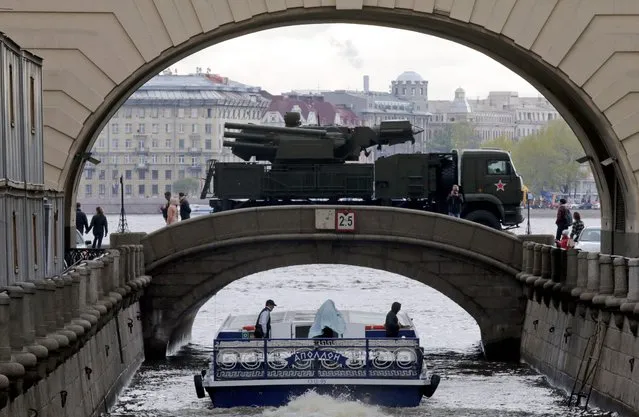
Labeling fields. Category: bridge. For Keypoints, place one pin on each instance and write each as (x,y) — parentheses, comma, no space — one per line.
(580,54)
(192,260)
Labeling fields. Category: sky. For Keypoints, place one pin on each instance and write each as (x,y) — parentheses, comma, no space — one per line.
(337,56)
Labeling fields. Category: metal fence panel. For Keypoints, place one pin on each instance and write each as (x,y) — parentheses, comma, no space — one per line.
(32,126)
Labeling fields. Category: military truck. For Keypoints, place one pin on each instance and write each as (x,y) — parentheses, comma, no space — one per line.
(318,165)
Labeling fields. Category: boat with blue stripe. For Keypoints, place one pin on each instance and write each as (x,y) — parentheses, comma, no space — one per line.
(360,364)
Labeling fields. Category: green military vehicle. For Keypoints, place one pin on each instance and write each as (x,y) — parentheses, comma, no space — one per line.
(318,165)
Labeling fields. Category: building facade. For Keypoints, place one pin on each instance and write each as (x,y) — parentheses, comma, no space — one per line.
(166,131)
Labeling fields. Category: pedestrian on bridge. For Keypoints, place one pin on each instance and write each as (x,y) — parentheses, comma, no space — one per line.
(100,227)
(81,222)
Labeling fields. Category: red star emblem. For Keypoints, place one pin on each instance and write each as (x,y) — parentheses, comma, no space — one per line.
(500,186)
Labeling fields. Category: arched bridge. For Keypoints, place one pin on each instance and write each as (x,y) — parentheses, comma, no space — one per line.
(471,264)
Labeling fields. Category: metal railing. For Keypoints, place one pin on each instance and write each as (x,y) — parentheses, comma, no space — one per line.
(243,359)
(75,256)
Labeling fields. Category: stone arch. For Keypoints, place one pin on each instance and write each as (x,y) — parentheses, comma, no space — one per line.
(575,53)
(420,246)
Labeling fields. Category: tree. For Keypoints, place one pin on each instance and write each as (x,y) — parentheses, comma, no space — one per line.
(441,140)
(187,186)
(546,160)
(501,142)
(463,136)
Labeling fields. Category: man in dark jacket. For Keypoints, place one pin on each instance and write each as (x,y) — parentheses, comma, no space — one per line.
(165,207)
(392,322)
(81,222)
(263,324)
(455,202)
(562,218)
(185,207)
(100,227)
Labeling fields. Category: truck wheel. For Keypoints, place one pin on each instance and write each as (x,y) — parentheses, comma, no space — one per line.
(199,388)
(484,217)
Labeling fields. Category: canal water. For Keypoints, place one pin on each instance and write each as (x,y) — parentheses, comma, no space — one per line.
(470,386)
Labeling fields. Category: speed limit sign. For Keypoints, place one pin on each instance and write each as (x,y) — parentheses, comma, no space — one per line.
(345,221)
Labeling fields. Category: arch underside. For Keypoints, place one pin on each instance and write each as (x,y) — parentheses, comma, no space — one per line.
(616,183)
(178,289)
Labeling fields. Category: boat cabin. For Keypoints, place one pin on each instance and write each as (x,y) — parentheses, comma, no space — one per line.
(297,323)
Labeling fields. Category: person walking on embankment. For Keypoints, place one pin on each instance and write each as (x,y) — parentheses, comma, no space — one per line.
(564,218)
(172,211)
(100,227)
(81,222)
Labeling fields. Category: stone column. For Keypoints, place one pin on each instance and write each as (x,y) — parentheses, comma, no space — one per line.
(68,315)
(17,332)
(606,280)
(525,260)
(633,287)
(12,369)
(41,331)
(545,262)
(592,286)
(87,312)
(46,289)
(60,307)
(78,301)
(571,268)
(92,287)
(531,257)
(28,309)
(582,274)
(555,264)
(621,283)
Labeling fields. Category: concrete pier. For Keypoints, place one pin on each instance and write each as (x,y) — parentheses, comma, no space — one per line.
(69,343)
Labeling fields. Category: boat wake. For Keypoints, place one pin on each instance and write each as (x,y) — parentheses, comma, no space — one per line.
(312,404)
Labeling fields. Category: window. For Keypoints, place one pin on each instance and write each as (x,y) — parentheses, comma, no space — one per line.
(195,160)
(88,189)
(168,144)
(114,174)
(154,159)
(498,168)
(209,113)
(127,159)
(141,189)
(208,144)
(181,144)
(32,113)
(128,143)
(167,174)
(127,174)
(168,128)
(167,159)
(181,128)
(154,174)
(167,112)
(128,189)
(194,128)
(115,143)
(141,144)
(154,112)
(141,128)
(102,174)
(101,143)
(115,128)
(102,189)
(128,128)
(128,112)
(154,143)
(141,173)
(89,175)
(180,113)
(180,160)
(115,189)
(141,113)
(207,128)
(154,190)
(114,159)
(155,128)
(194,113)
(167,188)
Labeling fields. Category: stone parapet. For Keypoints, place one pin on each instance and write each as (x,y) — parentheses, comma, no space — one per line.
(44,322)
(577,281)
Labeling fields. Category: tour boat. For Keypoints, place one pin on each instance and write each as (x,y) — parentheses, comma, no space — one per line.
(359,364)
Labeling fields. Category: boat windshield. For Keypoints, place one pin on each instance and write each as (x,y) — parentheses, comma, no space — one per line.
(328,316)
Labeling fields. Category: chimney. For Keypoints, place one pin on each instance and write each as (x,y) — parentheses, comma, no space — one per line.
(366,84)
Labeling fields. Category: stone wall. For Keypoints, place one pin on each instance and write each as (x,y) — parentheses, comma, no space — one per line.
(69,343)
(583,305)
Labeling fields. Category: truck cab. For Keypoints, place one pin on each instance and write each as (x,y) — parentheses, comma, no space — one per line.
(491,187)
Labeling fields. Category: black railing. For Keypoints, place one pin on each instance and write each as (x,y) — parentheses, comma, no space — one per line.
(74,256)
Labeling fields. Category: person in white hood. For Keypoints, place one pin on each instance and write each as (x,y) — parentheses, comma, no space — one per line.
(329,322)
